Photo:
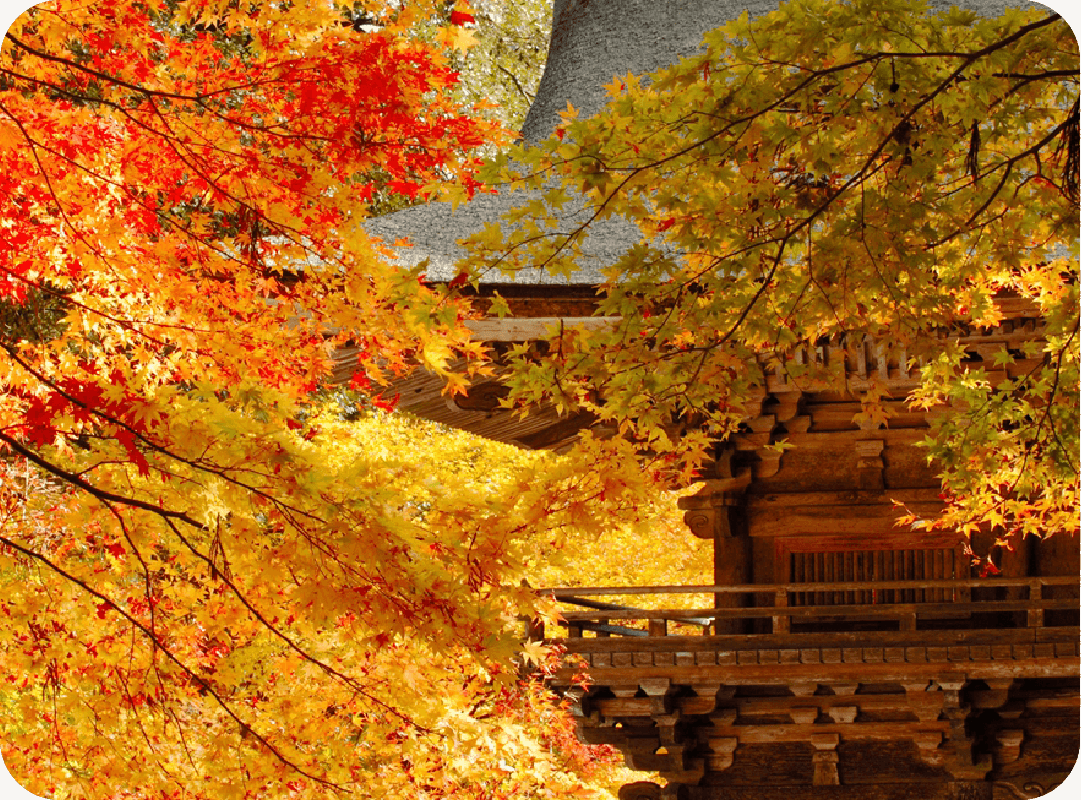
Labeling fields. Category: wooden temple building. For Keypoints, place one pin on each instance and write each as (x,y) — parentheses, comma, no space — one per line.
(842,656)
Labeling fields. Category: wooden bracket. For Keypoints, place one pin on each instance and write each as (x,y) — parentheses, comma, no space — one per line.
(824,759)
(928,744)
(722,752)
(1007,747)
(803,715)
(657,689)
(843,714)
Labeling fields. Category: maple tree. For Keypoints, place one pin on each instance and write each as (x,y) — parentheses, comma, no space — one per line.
(504,67)
(828,174)
(216,588)
(498,52)
(212,588)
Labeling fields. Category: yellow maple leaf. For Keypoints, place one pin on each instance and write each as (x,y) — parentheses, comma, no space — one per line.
(457,37)
(615,87)
(534,652)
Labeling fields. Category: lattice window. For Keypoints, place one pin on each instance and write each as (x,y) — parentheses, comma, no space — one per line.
(875,565)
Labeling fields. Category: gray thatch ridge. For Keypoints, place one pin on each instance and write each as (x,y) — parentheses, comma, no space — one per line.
(592,40)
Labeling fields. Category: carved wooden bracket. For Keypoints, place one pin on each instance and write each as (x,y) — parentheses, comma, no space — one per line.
(722,751)
(928,744)
(708,512)
(869,453)
(577,696)
(824,759)
(658,691)
(769,463)
(1007,747)
(995,696)
(803,715)
(843,714)
(709,691)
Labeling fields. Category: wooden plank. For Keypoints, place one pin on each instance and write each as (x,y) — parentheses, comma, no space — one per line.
(563,591)
(560,431)
(996,637)
(737,674)
(1068,701)
(802,732)
(877,702)
(883,610)
(891,436)
(840,522)
(623,706)
(523,329)
(1057,634)
(928,495)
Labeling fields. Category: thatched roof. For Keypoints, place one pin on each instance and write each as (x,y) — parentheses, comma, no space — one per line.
(592,40)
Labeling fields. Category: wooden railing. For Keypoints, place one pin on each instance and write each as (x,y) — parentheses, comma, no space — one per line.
(963,604)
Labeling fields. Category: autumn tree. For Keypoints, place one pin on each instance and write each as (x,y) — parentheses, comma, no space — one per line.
(504,67)
(829,173)
(212,589)
(216,589)
(498,50)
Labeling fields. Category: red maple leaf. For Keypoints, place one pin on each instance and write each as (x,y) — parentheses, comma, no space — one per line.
(406,188)
(386,405)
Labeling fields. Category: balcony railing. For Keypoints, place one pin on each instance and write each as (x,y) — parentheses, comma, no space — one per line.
(783,608)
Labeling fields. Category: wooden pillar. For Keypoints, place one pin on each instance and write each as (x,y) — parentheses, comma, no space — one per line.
(716,512)
(1014,563)
(731,566)
(1057,555)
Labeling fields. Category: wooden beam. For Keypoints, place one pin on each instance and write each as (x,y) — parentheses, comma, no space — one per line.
(775,674)
(558,432)
(806,732)
(816,612)
(1047,580)
(866,702)
(891,644)
(525,329)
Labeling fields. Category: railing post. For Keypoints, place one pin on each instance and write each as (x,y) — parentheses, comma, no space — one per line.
(1035,615)
(658,627)
(781,622)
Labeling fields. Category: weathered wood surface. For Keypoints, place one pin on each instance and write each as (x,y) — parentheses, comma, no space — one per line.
(1038,580)
(891,640)
(860,611)
(797,707)
(777,667)
(524,329)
